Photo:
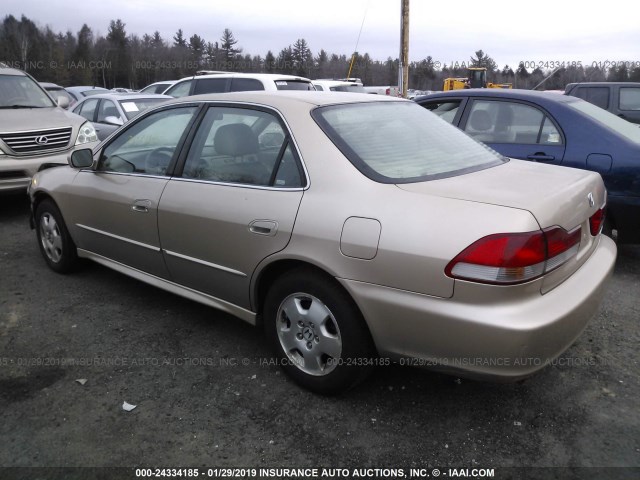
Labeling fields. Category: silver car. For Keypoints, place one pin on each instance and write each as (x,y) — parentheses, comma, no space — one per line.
(108,111)
(357,230)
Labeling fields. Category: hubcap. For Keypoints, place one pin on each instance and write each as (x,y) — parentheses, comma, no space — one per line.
(50,237)
(309,334)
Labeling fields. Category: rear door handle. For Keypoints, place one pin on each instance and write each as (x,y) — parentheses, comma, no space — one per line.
(541,157)
(264,227)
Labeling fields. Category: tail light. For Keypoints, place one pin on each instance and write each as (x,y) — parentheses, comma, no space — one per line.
(511,258)
(596,221)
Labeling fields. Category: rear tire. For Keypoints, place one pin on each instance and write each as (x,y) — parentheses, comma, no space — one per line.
(54,240)
(318,333)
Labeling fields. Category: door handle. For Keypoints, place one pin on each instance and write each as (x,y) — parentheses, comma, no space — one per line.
(541,157)
(264,227)
(141,206)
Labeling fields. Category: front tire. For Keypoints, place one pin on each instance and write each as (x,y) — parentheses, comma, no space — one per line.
(317,332)
(54,240)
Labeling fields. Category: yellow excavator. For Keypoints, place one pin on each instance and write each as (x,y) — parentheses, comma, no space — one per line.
(477,78)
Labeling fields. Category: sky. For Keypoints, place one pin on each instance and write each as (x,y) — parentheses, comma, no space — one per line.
(541,33)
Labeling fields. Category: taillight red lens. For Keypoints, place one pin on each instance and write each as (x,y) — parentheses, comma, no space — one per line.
(596,221)
(509,258)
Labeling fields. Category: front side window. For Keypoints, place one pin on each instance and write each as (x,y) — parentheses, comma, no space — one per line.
(147,147)
(409,144)
(510,122)
(445,109)
(629,98)
(87,109)
(244,146)
(108,109)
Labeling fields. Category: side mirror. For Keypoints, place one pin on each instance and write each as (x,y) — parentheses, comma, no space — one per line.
(63,102)
(82,158)
(114,120)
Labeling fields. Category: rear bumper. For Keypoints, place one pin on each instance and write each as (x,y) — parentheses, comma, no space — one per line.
(507,339)
(16,172)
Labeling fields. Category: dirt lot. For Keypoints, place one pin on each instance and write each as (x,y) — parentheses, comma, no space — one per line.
(207,394)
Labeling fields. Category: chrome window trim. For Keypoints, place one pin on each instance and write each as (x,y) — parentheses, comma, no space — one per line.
(205,263)
(240,185)
(118,237)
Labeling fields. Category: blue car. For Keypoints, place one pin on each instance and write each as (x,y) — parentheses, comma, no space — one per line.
(556,129)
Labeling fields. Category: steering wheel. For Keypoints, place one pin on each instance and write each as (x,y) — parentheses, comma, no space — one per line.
(158,159)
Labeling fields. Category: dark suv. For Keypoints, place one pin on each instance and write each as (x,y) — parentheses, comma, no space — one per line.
(620,98)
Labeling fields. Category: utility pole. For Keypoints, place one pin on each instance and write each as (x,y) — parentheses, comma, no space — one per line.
(403,67)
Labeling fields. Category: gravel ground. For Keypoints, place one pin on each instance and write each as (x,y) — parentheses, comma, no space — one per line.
(208,395)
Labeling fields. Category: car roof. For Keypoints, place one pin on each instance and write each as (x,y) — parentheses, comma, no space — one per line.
(289,98)
(259,76)
(81,88)
(4,70)
(126,96)
(516,94)
(51,85)
(605,84)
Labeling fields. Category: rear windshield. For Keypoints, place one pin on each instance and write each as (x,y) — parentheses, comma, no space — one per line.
(348,88)
(627,129)
(401,142)
(294,85)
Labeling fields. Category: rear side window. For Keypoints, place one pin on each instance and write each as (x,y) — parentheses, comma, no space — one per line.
(629,98)
(510,122)
(180,89)
(210,85)
(409,145)
(597,95)
(244,146)
(446,110)
(245,85)
(294,85)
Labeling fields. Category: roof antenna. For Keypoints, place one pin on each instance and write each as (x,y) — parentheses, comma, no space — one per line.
(353,57)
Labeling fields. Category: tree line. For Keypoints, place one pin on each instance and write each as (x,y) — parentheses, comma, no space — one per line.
(119,59)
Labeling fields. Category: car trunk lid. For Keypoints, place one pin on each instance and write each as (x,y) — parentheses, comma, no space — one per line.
(555,196)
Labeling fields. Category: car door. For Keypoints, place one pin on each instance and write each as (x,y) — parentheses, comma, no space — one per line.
(514,129)
(234,204)
(115,215)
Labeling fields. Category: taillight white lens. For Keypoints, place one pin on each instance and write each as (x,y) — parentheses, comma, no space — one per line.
(510,258)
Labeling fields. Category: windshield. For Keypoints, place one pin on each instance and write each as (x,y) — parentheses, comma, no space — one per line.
(410,144)
(628,130)
(18,91)
(134,107)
